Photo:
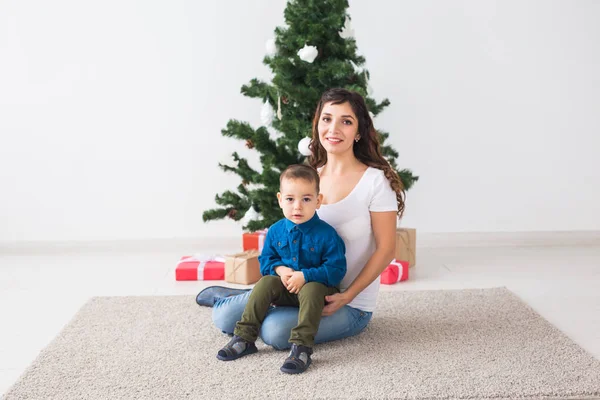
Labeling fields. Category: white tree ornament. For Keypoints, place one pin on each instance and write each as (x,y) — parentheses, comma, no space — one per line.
(357,69)
(303,146)
(267,114)
(347,32)
(308,53)
(251,215)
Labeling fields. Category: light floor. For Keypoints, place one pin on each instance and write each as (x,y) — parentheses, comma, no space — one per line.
(40,294)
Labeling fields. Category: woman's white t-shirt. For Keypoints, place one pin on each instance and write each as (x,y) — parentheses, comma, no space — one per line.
(351,219)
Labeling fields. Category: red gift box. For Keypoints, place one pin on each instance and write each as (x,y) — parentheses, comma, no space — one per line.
(254,240)
(200,268)
(397,271)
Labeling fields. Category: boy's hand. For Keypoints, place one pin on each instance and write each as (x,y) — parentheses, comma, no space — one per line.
(283,270)
(295,282)
(285,273)
(285,279)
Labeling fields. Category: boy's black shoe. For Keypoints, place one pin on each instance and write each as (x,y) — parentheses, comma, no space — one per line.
(236,348)
(298,360)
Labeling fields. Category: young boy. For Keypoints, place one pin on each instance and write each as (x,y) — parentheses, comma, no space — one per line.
(302,261)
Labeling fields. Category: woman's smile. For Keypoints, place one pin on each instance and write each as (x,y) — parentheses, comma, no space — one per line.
(334,140)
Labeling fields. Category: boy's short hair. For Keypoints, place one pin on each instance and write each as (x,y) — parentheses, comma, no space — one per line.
(301,171)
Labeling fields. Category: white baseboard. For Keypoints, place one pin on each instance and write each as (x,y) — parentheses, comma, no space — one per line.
(515,239)
(220,245)
(182,246)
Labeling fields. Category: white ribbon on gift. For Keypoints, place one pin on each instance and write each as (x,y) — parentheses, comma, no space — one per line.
(400,268)
(202,259)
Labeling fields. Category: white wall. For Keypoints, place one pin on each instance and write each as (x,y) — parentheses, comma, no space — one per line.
(107,109)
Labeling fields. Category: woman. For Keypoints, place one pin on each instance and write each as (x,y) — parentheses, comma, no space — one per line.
(362,196)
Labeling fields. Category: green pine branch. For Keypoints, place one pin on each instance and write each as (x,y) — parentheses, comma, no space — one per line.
(295,89)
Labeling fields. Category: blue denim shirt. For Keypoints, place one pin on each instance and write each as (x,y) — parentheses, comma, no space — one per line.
(313,247)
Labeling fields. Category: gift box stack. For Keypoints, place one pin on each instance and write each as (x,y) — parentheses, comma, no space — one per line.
(254,240)
(200,268)
(397,271)
(242,268)
(404,257)
(406,240)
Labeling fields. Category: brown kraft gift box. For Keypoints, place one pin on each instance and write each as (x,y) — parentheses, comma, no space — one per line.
(242,267)
(406,249)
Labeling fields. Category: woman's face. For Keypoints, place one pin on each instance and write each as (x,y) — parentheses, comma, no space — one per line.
(338,128)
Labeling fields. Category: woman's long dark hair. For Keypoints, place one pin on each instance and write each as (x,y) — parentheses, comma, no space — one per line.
(367,150)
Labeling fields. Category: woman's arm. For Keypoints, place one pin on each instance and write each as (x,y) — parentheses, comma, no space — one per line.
(384,230)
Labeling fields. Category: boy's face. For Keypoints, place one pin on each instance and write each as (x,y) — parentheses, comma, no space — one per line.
(298,199)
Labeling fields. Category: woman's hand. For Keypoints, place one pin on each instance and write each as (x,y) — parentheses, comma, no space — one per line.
(334,303)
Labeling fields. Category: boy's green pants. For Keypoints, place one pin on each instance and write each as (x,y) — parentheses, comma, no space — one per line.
(270,290)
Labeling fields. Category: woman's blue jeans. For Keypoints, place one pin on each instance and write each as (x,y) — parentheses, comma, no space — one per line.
(276,328)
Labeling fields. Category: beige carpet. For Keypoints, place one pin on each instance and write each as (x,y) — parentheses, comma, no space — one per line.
(483,344)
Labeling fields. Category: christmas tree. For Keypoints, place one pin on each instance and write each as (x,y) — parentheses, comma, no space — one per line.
(316,51)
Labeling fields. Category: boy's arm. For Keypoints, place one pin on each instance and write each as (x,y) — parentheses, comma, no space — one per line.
(269,259)
(333,268)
